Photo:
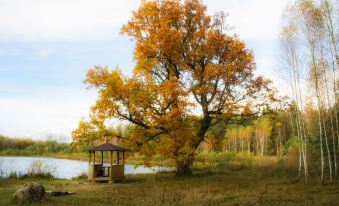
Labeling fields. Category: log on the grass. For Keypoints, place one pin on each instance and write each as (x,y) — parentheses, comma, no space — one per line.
(59,193)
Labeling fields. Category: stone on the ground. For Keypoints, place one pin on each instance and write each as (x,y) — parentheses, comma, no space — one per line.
(29,193)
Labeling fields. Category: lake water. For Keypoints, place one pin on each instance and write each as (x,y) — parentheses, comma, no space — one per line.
(62,168)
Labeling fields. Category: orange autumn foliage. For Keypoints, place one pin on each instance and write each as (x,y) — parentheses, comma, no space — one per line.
(189,74)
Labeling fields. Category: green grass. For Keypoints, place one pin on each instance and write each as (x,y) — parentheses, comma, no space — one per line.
(241,180)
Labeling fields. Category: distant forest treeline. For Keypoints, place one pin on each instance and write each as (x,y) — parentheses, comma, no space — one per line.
(16,146)
(266,136)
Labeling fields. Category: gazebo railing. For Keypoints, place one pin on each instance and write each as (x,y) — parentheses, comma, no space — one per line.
(102,171)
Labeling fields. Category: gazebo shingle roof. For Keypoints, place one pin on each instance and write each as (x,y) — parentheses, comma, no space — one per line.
(108,147)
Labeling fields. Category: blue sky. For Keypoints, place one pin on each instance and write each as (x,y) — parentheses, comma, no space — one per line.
(47,46)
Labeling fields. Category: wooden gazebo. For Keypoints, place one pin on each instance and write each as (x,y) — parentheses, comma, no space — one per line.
(107,172)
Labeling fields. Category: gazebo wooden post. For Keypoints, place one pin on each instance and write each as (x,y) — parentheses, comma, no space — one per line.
(94,158)
(102,157)
(111,167)
(111,158)
(90,157)
(123,158)
(118,157)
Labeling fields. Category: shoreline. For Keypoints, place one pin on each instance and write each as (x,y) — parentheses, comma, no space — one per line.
(135,161)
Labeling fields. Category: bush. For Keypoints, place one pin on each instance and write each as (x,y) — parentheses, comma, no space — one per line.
(13,175)
(38,169)
(82,176)
(215,157)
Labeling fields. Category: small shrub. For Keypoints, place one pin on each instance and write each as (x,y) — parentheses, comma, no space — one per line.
(82,176)
(13,175)
(38,169)
(216,157)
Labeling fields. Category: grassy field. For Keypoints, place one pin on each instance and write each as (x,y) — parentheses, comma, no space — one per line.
(240,181)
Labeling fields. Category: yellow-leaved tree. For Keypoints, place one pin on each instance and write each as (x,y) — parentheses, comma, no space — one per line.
(189,75)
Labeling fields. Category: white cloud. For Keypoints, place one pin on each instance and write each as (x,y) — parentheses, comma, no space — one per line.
(55,113)
(251,19)
(97,19)
(53,20)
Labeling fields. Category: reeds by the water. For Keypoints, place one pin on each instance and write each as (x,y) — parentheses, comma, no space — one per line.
(38,169)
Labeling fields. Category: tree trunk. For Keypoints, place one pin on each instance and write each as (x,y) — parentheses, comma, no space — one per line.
(183,170)
(321,143)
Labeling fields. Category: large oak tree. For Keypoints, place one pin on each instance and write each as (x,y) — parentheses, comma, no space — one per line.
(189,75)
